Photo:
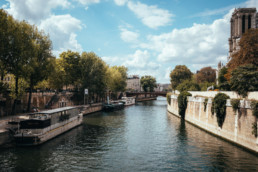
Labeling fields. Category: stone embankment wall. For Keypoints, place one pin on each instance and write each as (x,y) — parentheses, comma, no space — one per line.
(39,100)
(237,127)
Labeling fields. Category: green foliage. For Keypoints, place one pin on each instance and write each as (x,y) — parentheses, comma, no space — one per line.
(169,98)
(223,82)
(244,79)
(116,78)
(179,74)
(235,104)
(93,72)
(212,107)
(219,107)
(22,85)
(254,127)
(254,106)
(182,103)
(70,63)
(3,89)
(188,85)
(148,83)
(205,104)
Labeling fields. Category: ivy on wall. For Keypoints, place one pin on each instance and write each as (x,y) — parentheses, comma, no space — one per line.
(219,106)
(205,104)
(169,98)
(235,104)
(254,107)
(182,103)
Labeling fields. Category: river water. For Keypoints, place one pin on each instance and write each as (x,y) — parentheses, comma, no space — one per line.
(143,137)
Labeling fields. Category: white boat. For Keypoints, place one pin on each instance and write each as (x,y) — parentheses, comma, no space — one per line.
(45,125)
(128,101)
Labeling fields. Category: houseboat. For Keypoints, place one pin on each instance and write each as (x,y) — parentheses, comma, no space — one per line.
(128,101)
(45,125)
(113,106)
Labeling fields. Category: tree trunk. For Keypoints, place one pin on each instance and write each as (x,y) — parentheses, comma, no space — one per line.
(30,94)
(16,95)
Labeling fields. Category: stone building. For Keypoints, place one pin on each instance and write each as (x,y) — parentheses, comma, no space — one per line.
(242,19)
(133,83)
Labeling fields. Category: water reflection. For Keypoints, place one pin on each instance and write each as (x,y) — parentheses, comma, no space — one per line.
(139,138)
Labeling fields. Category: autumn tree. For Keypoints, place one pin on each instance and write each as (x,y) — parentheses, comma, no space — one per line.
(148,83)
(248,53)
(179,74)
(206,74)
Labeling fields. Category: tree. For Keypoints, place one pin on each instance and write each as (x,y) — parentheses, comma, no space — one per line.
(179,74)
(16,51)
(70,63)
(57,75)
(92,74)
(248,53)
(39,65)
(148,83)
(188,85)
(223,82)
(244,79)
(206,74)
(116,78)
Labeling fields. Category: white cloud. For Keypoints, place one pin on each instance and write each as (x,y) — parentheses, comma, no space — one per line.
(87,2)
(62,29)
(252,3)
(138,60)
(199,44)
(34,10)
(120,2)
(128,36)
(151,16)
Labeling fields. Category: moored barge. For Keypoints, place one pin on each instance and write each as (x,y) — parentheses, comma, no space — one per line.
(45,125)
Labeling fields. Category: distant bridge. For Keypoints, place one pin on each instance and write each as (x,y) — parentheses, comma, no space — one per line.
(146,94)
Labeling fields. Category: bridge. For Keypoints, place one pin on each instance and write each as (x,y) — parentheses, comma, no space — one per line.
(146,94)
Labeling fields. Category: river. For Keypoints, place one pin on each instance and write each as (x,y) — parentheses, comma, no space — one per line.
(143,137)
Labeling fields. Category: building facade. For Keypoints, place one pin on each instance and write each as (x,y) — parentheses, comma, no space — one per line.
(133,83)
(242,19)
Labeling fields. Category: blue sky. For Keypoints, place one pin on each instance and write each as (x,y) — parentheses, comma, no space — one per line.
(150,37)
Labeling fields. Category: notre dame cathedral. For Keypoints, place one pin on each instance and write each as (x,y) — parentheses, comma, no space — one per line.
(242,19)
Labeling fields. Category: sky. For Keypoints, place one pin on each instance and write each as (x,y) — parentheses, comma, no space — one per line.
(149,37)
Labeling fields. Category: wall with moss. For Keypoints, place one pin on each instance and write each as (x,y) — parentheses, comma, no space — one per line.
(237,126)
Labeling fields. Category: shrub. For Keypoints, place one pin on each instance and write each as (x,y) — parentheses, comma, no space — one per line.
(254,132)
(235,104)
(168,98)
(205,104)
(220,101)
(182,103)
(254,107)
(188,85)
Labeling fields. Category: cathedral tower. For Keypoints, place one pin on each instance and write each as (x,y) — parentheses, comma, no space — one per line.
(242,19)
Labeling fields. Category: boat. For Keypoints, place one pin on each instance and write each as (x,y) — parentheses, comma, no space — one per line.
(128,101)
(45,125)
(109,107)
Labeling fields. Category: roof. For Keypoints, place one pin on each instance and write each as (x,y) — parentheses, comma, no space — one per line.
(55,110)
